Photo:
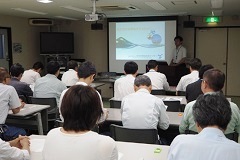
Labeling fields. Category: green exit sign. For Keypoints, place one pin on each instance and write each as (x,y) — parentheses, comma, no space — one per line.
(212,19)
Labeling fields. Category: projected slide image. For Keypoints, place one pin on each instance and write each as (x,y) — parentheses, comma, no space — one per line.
(140,40)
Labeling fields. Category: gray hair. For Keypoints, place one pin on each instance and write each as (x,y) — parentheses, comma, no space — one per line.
(142,80)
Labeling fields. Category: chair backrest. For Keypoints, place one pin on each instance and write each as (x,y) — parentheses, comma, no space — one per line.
(181,93)
(173,106)
(115,104)
(120,133)
(53,110)
(158,92)
(23,98)
(232,136)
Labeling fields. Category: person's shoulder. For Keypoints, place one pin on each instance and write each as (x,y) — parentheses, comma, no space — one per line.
(54,131)
(106,140)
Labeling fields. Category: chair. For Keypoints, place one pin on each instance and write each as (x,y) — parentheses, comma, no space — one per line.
(120,133)
(232,136)
(173,106)
(115,104)
(53,112)
(23,98)
(158,92)
(181,93)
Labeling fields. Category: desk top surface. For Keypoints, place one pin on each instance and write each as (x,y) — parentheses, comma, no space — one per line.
(29,109)
(115,115)
(127,151)
(96,84)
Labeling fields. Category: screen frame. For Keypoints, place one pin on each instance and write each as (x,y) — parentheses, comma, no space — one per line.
(57,53)
(138,19)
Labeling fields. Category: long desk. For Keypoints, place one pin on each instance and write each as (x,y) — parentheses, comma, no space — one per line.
(127,151)
(182,99)
(115,116)
(29,115)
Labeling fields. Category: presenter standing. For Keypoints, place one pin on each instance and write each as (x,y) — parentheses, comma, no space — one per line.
(179,53)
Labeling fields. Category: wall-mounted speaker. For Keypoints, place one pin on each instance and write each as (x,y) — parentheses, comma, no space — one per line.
(97,26)
(189,24)
(40,22)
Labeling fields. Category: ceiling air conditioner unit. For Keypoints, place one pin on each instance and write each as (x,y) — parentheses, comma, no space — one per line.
(40,22)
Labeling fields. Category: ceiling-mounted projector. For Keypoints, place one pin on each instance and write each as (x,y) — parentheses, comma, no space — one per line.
(91,17)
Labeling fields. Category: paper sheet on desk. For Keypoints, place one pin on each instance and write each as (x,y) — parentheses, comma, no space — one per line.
(171,99)
(37,145)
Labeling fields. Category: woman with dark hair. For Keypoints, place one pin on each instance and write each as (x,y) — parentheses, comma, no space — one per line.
(81,109)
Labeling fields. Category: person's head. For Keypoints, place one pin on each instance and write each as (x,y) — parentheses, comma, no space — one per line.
(53,67)
(142,81)
(203,69)
(178,40)
(4,77)
(87,70)
(38,67)
(212,110)
(152,64)
(131,67)
(16,70)
(72,65)
(213,81)
(195,64)
(80,108)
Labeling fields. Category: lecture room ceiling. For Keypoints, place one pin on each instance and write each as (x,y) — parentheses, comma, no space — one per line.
(76,9)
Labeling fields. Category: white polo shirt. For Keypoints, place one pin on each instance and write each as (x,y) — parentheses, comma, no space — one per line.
(123,86)
(179,53)
(159,80)
(30,76)
(8,100)
(70,77)
(141,110)
(186,80)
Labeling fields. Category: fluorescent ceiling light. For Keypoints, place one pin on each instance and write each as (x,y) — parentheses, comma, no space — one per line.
(29,11)
(68,18)
(76,9)
(45,1)
(217,3)
(155,5)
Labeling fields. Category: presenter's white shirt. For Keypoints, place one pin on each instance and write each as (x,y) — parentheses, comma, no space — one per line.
(70,77)
(12,153)
(141,110)
(186,80)
(86,146)
(30,76)
(179,53)
(123,86)
(159,80)
(104,115)
(209,144)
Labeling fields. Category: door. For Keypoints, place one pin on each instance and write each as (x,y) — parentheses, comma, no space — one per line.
(4,48)
(211,47)
(233,78)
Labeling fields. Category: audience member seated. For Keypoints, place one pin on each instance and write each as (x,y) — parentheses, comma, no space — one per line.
(124,85)
(194,65)
(7,77)
(212,114)
(70,77)
(141,110)
(17,149)
(86,73)
(30,76)
(193,90)
(8,101)
(212,83)
(81,109)
(50,86)
(159,80)
(22,88)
